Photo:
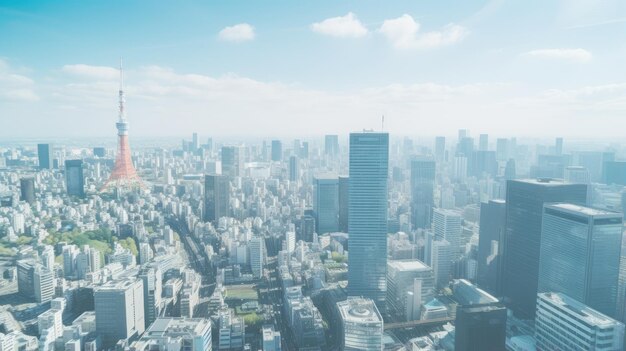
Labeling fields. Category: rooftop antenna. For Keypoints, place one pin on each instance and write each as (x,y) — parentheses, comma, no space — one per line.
(382,126)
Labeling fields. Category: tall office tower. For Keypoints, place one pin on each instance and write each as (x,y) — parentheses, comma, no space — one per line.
(594,162)
(27,189)
(232,161)
(367,218)
(307,226)
(195,145)
(257,255)
(460,167)
(614,172)
(271,338)
(99,151)
(294,169)
(216,197)
(558,146)
(361,325)
(119,310)
(304,151)
(326,203)
(440,149)
(441,256)
(577,174)
(422,191)
(447,225)
(45,153)
(480,319)
(277,150)
(74,179)
(410,283)
(509,170)
(483,163)
(566,324)
(344,195)
(44,283)
(580,254)
(522,237)
(331,145)
(490,239)
(465,147)
(166,334)
(297,146)
(483,142)
(124,174)
(290,241)
(152,289)
(463,133)
(502,149)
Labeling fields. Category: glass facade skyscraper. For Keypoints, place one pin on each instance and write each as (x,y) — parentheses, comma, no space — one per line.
(367,219)
(522,238)
(422,191)
(580,254)
(74,178)
(326,201)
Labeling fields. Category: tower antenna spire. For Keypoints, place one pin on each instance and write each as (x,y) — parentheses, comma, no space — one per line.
(122,113)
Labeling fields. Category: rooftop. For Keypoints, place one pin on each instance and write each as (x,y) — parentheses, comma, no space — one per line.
(177,326)
(359,310)
(408,265)
(467,293)
(580,310)
(583,210)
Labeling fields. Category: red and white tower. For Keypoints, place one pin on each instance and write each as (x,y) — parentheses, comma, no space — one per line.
(124,174)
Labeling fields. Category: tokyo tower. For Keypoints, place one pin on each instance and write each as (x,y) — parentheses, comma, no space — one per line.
(124,174)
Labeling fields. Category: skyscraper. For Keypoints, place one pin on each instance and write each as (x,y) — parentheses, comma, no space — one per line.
(232,161)
(277,150)
(522,237)
(558,146)
(45,155)
(331,145)
(344,185)
(367,222)
(257,256)
(294,169)
(440,148)
(580,254)
(490,239)
(124,174)
(27,189)
(326,203)
(119,310)
(216,197)
(152,289)
(422,191)
(480,319)
(74,179)
(447,225)
(566,324)
(483,142)
(410,283)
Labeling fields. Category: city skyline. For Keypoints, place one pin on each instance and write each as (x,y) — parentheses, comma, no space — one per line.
(336,69)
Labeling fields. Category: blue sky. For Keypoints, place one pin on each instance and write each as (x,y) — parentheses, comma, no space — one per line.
(281,68)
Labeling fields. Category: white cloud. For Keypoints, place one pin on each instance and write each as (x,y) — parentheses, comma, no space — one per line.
(574,55)
(92,72)
(15,87)
(404,33)
(347,26)
(238,32)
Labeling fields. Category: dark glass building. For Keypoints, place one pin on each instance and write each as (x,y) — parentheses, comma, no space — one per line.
(27,189)
(614,172)
(45,155)
(480,319)
(216,197)
(490,238)
(422,191)
(326,203)
(522,237)
(74,178)
(344,184)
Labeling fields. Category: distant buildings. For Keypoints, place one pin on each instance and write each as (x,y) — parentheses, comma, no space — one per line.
(119,307)
(74,178)
(580,255)
(522,239)
(480,319)
(362,325)
(344,191)
(563,323)
(277,150)
(35,281)
(326,203)
(257,256)
(232,161)
(367,226)
(27,189)
(447,225)
(331,145)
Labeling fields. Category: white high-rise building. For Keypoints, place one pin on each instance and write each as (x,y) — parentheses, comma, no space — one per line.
(362,325)
(447,225)
(290,241)
(442,256)
(257,256)
(563,323)
(409,284)
(44,284)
